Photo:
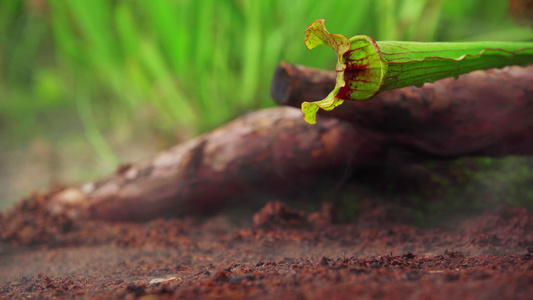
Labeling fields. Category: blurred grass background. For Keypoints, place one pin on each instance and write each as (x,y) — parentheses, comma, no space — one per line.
(86,85)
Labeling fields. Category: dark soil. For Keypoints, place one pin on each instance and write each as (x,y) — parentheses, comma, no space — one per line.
(283,254)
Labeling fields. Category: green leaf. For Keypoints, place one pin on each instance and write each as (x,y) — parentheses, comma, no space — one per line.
(366,67)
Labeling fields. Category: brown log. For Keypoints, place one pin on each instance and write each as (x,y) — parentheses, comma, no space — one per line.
(265,153)
(481,113)
(270,152)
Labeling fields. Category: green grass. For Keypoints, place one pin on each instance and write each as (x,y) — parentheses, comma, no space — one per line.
(199,63)
(176,68)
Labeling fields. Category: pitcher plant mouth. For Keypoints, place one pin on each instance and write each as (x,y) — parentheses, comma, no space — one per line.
(366,67)
(359,68)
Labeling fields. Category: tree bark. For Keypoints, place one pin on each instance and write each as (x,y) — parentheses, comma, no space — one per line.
(481,113)
(273,151)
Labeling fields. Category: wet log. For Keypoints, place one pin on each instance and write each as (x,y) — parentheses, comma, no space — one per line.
(481,113)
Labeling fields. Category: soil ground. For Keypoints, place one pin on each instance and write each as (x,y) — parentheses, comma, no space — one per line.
(282,254)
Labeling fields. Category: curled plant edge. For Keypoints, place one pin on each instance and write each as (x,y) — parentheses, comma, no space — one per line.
(365,67)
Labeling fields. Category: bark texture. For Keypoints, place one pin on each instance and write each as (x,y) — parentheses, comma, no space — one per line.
(262,153)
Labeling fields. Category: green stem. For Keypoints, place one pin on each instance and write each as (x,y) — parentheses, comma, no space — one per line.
(366,67)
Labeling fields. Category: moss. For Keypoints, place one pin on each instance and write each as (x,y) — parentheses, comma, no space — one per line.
(433,190)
